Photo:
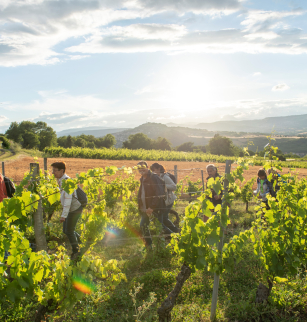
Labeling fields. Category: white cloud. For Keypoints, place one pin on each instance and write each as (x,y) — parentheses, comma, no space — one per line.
(257,74)
(31,30)
(280,87)
(211,7)
(265,35)
(3,118)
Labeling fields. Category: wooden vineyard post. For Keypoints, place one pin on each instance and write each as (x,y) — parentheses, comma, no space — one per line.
(3,169)
(202,179)
(45,166)
(220,248)
(175,173)
(40,238)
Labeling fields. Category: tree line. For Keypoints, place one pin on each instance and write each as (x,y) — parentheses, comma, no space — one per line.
(218,145)
(39,135)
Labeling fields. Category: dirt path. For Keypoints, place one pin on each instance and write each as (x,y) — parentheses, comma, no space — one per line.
(17,168)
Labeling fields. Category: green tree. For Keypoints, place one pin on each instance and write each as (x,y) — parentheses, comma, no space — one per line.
(186,147)
(200,148)
(62,141)
(220,145)
(138,141)
(13,133)
(5,142)
(108,141)
(81,143)
(47,138)
(91,145)
(69,142)
(30,140)
(32,135)
(162,144)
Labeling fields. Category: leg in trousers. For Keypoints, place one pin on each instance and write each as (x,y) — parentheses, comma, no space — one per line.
(144,225)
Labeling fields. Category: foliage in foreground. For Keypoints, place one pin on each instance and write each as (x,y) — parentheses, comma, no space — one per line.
(278,241)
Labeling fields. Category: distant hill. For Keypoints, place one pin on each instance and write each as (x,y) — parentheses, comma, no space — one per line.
(292,124)
(199,136)
(178,135)
(153,130)
(94,130)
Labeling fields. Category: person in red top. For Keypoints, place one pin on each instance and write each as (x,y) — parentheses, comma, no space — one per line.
(3,193)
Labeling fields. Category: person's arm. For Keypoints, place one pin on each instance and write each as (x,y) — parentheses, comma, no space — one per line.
(139,197)
(169,183)
(258,189)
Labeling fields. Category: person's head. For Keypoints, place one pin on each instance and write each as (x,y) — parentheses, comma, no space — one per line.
(157,168)
(261,174)
(272,170)
(58,169)
(274,173)
(211,170)
(143,168)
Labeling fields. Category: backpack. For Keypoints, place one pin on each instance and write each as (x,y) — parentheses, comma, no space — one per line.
(82,197)
(10,187)
(172,177)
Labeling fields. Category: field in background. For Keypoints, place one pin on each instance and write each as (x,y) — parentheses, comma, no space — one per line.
(16,169)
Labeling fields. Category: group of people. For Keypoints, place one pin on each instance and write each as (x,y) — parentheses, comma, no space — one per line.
(155,198)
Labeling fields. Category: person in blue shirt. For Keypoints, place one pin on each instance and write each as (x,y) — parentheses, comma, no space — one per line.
(264,187)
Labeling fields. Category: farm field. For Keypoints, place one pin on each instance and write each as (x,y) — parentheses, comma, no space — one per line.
(17,168)
(120,250)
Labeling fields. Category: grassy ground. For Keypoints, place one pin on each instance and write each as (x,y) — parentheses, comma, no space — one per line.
(157,271)
(16,153)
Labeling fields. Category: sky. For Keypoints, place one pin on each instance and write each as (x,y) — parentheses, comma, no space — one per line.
(122,63)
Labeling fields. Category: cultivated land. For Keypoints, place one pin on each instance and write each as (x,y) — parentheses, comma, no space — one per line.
(157,270)
(16,169)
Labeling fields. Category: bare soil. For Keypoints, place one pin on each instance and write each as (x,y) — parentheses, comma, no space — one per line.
(16,169)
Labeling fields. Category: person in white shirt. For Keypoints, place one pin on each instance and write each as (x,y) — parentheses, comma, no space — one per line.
(72,208)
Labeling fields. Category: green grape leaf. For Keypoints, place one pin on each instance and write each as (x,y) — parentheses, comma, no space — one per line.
(69,186)
(54,197)
(213,238)
(201,262)
(39,275)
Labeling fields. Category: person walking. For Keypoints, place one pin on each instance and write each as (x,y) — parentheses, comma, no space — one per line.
(3,195)
(274,182)
(169,188)
(216,199)
(264,187)
(150,199)
(72,209)
(3,192)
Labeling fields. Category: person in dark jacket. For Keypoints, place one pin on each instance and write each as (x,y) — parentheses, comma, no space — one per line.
(150,199)
(275,182)
(169,186)
(215,199)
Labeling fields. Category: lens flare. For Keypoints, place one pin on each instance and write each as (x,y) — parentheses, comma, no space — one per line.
(133,231)
(83,285)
